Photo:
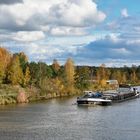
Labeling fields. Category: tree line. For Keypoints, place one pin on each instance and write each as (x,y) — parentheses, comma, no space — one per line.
(15,69)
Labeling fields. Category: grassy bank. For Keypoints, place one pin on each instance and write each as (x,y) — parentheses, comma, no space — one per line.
(10,94)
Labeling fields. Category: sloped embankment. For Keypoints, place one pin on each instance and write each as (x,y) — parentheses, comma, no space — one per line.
(9,94)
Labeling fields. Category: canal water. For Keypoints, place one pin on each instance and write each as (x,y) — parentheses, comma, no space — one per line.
(61,119)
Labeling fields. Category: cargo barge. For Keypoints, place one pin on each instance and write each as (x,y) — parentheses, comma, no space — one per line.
(123,93)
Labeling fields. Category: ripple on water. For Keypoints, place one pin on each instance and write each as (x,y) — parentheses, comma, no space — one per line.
(58,119)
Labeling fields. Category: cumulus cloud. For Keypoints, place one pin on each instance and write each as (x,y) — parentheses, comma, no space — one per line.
(69,13)
(59,29)
(64,31)
(46,52)
(124,13)
(99,51)
(111,50)
(24,25)
(76,13)
(24,36)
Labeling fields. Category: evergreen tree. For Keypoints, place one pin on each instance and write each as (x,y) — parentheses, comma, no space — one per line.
(55,66)
(82,78)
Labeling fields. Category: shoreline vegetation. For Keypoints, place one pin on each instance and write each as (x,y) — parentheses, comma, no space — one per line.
(22,81)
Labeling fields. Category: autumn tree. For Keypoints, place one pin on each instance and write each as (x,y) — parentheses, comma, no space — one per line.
(23,59)
(123,78)
(14,73)
(102,75)
(138,74)
(27,76)
(5,58)
(52,86)
(134,78)
(69,75)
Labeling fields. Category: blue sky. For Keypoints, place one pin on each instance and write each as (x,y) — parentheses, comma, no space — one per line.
(92,32)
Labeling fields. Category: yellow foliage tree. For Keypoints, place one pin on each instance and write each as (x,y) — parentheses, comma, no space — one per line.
(102,73)
(134,78)
(103,83)
(58,87)
(69,75)
(123,78)
(5,57)
(27,76)
(14,73)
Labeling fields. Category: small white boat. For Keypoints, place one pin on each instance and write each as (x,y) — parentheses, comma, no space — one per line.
(91,97)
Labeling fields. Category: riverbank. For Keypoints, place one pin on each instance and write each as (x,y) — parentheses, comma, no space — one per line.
(10,94)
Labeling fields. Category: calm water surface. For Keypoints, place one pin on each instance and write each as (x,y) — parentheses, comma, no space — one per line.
(60,119)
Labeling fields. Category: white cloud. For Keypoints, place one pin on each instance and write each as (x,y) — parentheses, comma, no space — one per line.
(133,42)
(124,13)
(57,31)
(75,13)
(48,29)
(19,13)
(113,37)
(43,52)
(51,14)
(121,51)
(71,41)
(24,36)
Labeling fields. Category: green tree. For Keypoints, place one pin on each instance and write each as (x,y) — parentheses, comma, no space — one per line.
(56,67)
(82,77)
(39,71)
(34,72)
(23,59)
